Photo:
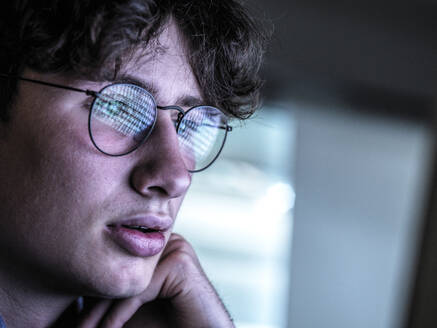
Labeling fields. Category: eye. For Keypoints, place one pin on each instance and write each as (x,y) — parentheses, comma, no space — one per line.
(188,126)
(111,107)
(114,107)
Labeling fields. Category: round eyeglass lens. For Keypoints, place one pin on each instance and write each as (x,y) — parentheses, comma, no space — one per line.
(202,134)
(122,116)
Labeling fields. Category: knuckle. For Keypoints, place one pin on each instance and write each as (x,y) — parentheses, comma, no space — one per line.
(185,261)
(180,244)
(183,256)
(175,236)
(183,246)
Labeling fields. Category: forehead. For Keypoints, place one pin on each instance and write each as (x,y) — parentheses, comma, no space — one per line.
(163,68)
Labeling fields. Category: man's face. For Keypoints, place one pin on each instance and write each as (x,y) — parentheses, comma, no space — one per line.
(63,203)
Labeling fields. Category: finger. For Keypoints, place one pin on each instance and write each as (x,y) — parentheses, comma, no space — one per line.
(178,266)
(121,312)
(173,241)
(91,318)
(176,236)
(177,243)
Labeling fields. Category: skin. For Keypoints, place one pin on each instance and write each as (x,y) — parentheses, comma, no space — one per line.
(59,194)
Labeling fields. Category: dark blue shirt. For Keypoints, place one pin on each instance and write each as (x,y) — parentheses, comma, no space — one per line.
(2,323)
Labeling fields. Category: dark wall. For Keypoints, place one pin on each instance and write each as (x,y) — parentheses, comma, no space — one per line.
(380,56)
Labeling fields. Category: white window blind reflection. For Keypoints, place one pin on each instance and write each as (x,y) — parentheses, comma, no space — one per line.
(238,216)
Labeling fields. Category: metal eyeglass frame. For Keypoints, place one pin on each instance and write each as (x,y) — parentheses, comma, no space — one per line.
(95,94)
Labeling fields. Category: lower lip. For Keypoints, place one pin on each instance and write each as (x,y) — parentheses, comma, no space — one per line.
(136,242)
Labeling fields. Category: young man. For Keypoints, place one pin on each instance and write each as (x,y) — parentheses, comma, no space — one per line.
(108,108)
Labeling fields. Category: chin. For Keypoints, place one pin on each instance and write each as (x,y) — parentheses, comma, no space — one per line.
(121,281)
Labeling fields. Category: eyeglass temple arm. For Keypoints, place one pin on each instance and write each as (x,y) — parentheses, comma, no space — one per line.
(88,92)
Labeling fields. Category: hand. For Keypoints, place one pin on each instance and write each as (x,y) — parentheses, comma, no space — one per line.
(179,295)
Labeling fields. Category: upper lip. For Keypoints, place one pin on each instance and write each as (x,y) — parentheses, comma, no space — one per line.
(150,221)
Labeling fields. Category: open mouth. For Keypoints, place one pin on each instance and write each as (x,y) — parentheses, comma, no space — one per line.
(146,224)
(137,238)
(140,228)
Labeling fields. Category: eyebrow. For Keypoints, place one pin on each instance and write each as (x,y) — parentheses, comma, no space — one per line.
(183,101)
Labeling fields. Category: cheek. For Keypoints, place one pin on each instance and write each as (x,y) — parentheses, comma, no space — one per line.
(55,183)
(55,166)
(70,164)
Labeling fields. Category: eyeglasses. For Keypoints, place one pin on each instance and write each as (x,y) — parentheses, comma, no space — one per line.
(122,116)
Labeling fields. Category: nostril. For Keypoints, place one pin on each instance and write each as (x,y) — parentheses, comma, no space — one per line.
(154,189)
(159,179)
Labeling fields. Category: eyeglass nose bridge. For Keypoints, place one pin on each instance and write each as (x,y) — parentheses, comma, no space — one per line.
(181,113)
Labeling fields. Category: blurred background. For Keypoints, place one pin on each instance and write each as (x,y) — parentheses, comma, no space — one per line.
(312,216)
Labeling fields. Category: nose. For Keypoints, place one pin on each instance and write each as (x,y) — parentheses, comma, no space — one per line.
(161,170)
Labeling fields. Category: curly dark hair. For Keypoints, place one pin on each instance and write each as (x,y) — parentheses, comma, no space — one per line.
(93,38)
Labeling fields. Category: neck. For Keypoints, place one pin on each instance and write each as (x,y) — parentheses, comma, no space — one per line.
(29,305)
